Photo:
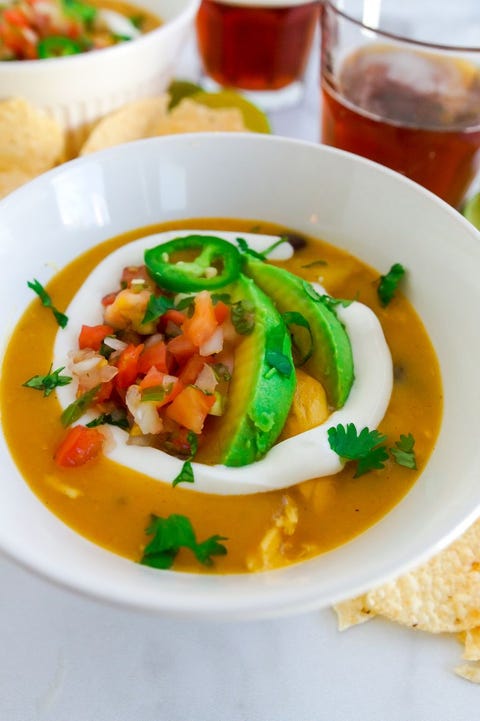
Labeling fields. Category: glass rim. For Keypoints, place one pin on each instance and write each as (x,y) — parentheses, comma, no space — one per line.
(402,38)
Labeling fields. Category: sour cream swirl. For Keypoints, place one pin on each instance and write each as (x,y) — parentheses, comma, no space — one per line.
(307,455)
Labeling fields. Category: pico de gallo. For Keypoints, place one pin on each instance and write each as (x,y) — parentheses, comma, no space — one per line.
(158,366)
(38,29)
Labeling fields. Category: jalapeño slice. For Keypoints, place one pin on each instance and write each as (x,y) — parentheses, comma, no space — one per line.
(209,263)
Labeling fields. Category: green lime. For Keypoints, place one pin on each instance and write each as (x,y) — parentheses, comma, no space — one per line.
(253,118)
(180,89)
(471,210)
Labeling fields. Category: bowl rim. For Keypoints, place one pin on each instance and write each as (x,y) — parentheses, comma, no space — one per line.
(293,599)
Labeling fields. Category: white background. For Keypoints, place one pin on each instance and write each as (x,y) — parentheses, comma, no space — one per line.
(67,658)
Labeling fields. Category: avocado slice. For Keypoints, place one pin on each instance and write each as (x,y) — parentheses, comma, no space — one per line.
(262,386)
(330,358)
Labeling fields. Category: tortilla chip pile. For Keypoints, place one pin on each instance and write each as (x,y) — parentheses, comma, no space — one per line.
(441,596)
(32,142)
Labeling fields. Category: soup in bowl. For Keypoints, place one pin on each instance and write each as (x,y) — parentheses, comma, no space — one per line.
(233,390)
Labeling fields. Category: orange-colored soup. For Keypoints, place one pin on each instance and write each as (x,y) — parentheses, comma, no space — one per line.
(111,505)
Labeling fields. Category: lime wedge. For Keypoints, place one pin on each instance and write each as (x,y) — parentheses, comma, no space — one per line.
(179,89)
(253,118)
(471,210)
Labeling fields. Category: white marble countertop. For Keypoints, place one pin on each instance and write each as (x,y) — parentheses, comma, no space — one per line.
(67,658)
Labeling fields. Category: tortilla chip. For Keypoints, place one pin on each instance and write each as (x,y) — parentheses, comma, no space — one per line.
(471,640)
(442,595)
(469,671)
(31,141)
(191,117)
(134,121)
(351,613)
(11,180)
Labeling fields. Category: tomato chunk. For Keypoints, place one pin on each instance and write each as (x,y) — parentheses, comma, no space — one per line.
(128,366)
(153,356)
(181,348)
(80,445)
(92,336)
(190,408)
(203,323)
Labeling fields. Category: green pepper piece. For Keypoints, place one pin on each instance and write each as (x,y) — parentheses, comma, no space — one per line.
(57,46)
(217,264)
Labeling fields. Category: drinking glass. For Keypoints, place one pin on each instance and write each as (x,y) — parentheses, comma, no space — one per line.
(400,85)
(260,47)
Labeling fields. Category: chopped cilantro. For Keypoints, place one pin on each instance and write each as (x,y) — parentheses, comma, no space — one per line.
(111,419)
(173,533)
(156,307)
(315,263)
(280,362)
(388,283)
(47,383)
(76,409)
(45,299)
(404,454)
(327,300)
(363,447)
(245,248)
(185,475)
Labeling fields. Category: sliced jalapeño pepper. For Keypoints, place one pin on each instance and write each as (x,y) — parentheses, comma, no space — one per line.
(57,46)
(218,263)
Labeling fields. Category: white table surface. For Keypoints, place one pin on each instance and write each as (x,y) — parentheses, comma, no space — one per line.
(68,658)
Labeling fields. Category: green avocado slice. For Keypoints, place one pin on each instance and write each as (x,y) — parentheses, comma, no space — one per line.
(262,386)
(330,358)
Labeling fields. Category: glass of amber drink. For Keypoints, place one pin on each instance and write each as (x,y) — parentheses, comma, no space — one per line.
(260,47)
(401,85)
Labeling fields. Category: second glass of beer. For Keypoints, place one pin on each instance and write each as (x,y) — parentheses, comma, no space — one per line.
(260,47)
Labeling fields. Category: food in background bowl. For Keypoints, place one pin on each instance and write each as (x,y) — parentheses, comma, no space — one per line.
(78,89)
(31,30)
(321,193)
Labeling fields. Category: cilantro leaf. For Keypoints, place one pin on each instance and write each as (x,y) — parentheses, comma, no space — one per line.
(315,263)
(329,301)
(76,409)
(404,454)
(389,282)
(280,362)
(185,475)
(117,419)
(156,307)
(175,532)
(47,383)
(363,447)
(245,248)
(46,301)
(375,459)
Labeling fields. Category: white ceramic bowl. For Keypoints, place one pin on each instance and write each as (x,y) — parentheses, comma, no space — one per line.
(373,212)
(79,89)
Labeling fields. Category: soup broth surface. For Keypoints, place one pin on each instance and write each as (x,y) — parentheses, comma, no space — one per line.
(112,505)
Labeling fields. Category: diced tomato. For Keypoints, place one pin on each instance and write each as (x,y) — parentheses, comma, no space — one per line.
(191,369)
(109,299)
(127,365)
(175,316)
(92,336)
(222,311)
(14,16)
(203,322)
(132,272)
(81,444)
(104,392)
(153,356)
(181,348)
(164,382)
(190,408)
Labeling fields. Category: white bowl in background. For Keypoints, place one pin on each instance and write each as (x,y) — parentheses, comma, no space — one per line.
(79,89)
(379,216)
